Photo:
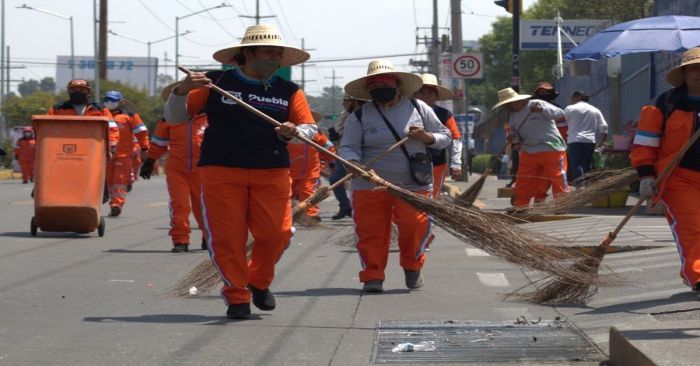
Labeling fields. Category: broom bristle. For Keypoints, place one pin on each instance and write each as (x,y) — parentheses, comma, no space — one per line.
(495,236)
(597,185)
(558,291)
(203,277)
(470,195)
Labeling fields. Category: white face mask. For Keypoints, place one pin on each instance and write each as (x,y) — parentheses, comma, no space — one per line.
(111,105)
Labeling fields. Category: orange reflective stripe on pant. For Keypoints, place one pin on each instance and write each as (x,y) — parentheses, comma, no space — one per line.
(184,190)
(438,179)
(118,177)
(373,212)
(302,189)
(533,169)
(682,200)
(235,200)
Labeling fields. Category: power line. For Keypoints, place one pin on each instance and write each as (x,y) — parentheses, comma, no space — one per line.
(155,16)
(216,21)
(369,57)
(208,16)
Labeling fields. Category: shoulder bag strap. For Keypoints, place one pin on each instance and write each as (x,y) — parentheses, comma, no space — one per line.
(392,129)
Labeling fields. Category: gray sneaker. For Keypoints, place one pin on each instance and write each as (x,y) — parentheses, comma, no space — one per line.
(414,279)
(373,286)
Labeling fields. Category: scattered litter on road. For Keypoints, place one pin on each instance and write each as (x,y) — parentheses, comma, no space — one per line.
(425,346)
(149,285)
(127,281)
(193,290)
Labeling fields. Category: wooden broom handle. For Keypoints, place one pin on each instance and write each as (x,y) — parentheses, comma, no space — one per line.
(276,123)
(667,169)
(372,161)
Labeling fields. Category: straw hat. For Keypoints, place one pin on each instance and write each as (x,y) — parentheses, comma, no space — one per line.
(508,95)
(262,35)
(352,97)
(317,116)
(410,83)
(431,80)
(675,76)
(165,93)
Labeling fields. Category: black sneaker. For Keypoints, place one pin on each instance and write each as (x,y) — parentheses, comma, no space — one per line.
(238,311)
(180,248)
(342,213)
(204,244)
(115,211)
(128,188)
(413,279)
(262,299)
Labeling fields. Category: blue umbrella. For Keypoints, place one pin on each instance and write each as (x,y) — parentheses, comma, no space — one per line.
(671,33)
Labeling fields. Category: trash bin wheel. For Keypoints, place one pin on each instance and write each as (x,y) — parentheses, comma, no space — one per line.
(101,227)
(32,227)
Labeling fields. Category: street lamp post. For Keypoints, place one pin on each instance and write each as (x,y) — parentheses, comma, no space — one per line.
(148,45)
(72,45)
(177,32)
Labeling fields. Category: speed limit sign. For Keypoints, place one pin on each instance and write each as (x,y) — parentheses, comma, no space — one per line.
(467,66)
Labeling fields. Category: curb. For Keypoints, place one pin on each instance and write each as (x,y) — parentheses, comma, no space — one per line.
(8,174)
(624,353)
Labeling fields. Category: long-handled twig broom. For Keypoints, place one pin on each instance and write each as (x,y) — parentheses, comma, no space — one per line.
(563,291)
(497,237)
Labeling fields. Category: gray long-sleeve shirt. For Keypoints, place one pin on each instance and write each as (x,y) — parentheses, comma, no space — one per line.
(364,140)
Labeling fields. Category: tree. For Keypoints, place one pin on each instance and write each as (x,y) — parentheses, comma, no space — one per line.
(536,66)
(18,111)
(28,87)
(47,84)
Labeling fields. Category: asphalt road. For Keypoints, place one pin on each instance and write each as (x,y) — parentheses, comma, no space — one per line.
(71,299)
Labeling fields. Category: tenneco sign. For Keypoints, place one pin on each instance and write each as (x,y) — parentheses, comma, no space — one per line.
(542,34)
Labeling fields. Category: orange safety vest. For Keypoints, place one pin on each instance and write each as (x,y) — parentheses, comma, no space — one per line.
(130,127)
(182,140)
(305,160)
(66,109)
(25,149)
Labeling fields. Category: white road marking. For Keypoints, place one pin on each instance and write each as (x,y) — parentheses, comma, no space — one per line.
(474,252)
(493,279)
(27,202)
(156,204)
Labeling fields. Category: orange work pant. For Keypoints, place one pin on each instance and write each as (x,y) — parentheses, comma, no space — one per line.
(118,177)
(373,212)
(682,200)
(27,170)
(184,190)
(136,166)
(235,200)
(533,169)
(302,189)
(439,172)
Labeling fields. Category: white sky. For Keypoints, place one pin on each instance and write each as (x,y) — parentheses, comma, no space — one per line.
(334,28)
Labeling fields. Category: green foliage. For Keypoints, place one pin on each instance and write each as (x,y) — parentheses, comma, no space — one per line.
(536,66)
(481,162)
(6,161)
(18,111)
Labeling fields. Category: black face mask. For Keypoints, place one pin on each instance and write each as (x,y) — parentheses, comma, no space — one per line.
(383,95)
(78,97)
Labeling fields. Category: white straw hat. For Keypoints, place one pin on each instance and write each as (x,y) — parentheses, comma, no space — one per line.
(316,115)
(262,35)
(409,83)
(431,80)
(508,95)
(675,77)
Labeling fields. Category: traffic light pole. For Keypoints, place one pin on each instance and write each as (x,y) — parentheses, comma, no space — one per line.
(516,46)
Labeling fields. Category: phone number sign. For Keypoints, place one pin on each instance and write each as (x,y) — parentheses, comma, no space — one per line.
(128,70)
(467,66)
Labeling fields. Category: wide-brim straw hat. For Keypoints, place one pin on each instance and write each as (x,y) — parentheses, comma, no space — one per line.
(262,35)
(675,77)
(165,93)
(317,116)
(431,80)
(409,83)
(508,95)
(352,97)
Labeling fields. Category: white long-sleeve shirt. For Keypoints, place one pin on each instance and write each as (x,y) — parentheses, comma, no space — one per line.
(364,140)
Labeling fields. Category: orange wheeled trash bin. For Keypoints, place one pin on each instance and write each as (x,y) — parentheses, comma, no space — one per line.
(69,173)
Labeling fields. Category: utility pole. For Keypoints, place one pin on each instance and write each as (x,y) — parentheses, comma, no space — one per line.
(95,26)
(303,66)
(456,15)
(516,46)
(7,66)
(2,52)
(333,90)
(257,15)
(102,61)
(434,49)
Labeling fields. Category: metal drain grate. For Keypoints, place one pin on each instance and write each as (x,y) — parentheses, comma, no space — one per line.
(483,342)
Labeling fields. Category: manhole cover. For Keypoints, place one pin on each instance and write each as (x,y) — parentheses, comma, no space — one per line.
(482,342)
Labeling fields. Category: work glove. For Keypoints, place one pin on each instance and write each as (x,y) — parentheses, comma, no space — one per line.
(647,188)
(146,169)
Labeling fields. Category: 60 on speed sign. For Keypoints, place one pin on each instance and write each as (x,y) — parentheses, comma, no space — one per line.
(467,66)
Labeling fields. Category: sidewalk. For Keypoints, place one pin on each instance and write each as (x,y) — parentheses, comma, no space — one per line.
(645,326)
